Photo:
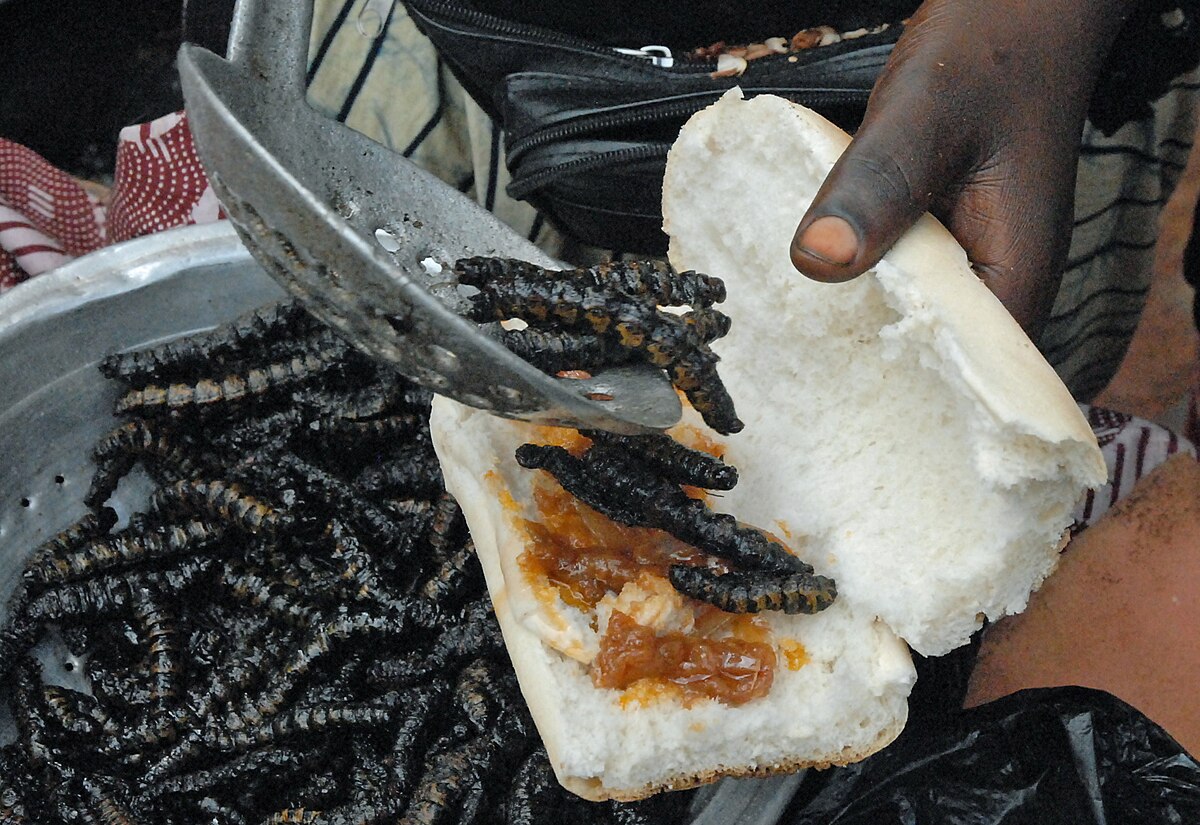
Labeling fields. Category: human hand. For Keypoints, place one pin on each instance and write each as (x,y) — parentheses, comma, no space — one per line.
(977,118)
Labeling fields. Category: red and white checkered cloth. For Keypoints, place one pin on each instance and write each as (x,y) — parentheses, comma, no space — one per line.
(47,217)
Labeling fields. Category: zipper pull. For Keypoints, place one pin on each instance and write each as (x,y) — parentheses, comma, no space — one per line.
(371,16)
(658,55)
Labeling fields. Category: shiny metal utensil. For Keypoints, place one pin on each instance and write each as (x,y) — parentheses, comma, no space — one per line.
(365,237)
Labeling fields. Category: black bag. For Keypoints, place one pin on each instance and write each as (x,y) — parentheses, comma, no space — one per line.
(1046,756)
(587,128)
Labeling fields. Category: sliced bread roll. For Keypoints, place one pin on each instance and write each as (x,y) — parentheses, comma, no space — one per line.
(902,435)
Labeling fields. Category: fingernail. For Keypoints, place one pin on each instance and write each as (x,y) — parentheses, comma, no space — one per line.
(830,239)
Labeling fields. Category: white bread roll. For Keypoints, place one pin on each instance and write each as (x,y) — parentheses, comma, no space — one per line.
(900,426)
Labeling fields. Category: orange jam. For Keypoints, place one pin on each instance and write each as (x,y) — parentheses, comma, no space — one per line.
(794,654)
(731,670)
(586,555)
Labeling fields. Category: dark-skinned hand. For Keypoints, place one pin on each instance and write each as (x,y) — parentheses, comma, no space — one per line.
(978,118)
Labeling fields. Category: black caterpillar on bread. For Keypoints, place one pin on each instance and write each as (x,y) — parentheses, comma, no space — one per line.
(622,478)
(604,316)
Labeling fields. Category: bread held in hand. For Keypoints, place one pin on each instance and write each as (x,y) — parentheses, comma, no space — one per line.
(902,436)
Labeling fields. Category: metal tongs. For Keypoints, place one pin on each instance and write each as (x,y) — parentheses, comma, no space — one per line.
(366,238)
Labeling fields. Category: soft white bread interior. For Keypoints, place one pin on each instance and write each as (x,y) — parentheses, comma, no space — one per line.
(902,421)
(899,427)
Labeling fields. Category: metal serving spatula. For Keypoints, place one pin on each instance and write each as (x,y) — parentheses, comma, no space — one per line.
(362,235)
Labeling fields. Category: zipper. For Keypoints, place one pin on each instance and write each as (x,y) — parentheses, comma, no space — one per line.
(540,36)
(654,112)
(635,115)
(519,188)
(657,55)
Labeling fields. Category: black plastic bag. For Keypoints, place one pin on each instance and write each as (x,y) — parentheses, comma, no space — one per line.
(1046,756)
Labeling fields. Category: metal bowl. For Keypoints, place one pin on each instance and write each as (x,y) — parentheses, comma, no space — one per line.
(54,405)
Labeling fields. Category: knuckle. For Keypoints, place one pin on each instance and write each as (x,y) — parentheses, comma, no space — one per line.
(885,178)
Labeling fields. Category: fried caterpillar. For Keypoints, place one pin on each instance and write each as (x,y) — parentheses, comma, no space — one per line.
(279,586)
(636,481)
(607,315)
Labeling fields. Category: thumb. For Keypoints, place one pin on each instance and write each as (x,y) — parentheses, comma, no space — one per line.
(874,193)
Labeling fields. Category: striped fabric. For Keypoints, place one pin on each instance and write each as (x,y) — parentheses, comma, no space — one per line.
(390,84)
(392,87)
(1124,181)
(31,250)
(1132,447)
